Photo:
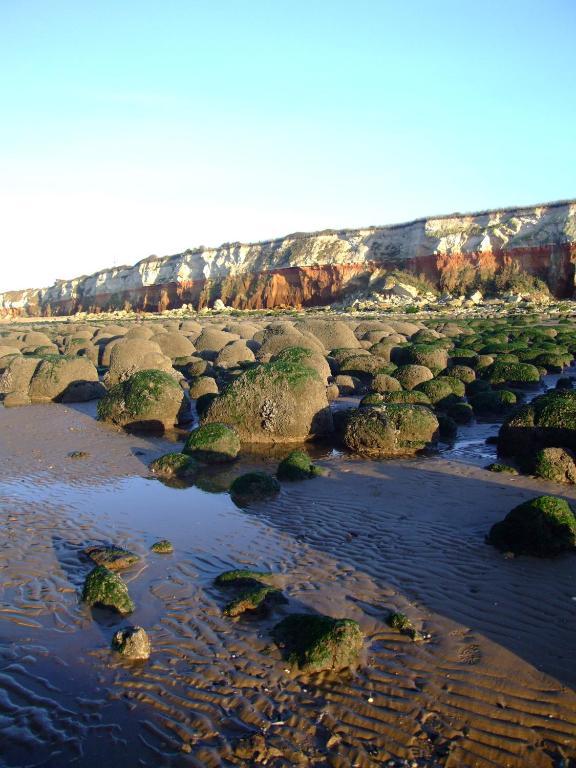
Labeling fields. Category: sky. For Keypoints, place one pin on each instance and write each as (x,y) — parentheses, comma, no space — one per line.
(142,127)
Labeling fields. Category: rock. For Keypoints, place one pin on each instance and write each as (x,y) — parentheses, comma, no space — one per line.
(410,376)
(132,643)
(113,558)
(105,588)
(258,599)
(544,527)
(202,385)
(131,355)
(501,468)
(556,464)
(254,487)
(219,306)
(498,402)
(174,344)
(431,356)
(382,382)
(234,353)
(476,297)
(150,400)
(83,392)
(178,465)
(16,399)
(390,430)
(213,443)
(281,401)
(297,466)
(243,577)
(162,547)
(404,290)
(317,643)
(512,374)
(401,623)
(549,421)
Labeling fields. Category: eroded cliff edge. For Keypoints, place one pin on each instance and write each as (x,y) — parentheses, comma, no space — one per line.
(318,268)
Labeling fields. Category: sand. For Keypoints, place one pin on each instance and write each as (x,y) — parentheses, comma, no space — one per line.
(493,686)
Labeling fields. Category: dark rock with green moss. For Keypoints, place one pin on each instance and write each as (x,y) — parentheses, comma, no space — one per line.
(213,443)
(254,487)
(104,588)
(133,643)
(255,600)
(544,527)
(401,623)
(390,430)
(174,465)
(113,558)
(243,577)
(498,467)
(297,466)
(493,402)
(280,401)
(512,374)
(440,391)
(316,643)
(462,413)
(410,376)
(432,356)
(448,429)
(556,464)
(149,400)
(549,421)
(162,547)
(409,397)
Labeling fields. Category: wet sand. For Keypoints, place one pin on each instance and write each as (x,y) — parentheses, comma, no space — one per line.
(494,685)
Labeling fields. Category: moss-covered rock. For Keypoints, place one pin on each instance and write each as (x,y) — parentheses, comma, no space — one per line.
(448,428)
(257,599)
(106,589)
(390,430)
(317,643)
(498,467)
(544,527)
(549,421)
(281,401)
(243,577)
(464,373)
(512,374)
(493,402)
(253,487)
(462,413)
(133,643)
(171,465)
(383,382)
(151,400)
(297,466)
(555,464)
(401,623)
(162,547)
(114,558)
(410,376)
(413,397)
(213,443)
(432,356)
(440,391)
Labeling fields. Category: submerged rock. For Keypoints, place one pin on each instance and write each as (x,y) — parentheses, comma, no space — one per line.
(162,547)
(213,443)
(315,643)
(297,466)
(106,589)
(544,527)
(133,643)
(254,486)
(113,558)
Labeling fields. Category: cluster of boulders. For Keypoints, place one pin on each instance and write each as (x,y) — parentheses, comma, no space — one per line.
(104,588)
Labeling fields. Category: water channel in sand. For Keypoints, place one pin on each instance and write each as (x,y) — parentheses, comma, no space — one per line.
(494,686)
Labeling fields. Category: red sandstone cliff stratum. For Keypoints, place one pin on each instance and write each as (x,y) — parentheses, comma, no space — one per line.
(318,268)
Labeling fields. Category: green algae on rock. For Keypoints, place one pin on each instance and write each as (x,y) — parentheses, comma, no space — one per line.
(498,467)
(178,465)
(297,466)
(316,643)
(242,577)
(213,443)
(257,599)
(254,486)
(162,547)
(149,399)
(105,588)
(544,527)
(113,558)
(401,623)
(556,464)
(390,430)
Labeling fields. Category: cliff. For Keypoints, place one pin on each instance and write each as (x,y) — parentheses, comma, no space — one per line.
(455,252)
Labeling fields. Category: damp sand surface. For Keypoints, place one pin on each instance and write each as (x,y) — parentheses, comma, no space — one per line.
(494,685)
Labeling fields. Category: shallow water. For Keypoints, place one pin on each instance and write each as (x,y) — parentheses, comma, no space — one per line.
(493,686)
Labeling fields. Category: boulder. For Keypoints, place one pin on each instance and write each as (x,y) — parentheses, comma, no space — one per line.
(281,401)
(213,443)
(131,355)
(544,527)
(316,643)
(58,377)
(132,643)
(556,464)
(106,589)
(297,466)
(390,430)
(151,400)
(253,487)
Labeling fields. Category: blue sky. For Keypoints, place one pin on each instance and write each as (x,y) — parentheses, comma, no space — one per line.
(131,128)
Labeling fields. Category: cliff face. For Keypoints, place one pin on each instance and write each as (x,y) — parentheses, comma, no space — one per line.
(314,269)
